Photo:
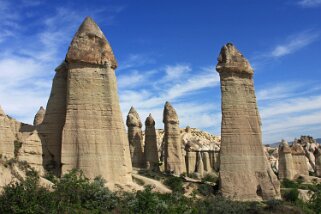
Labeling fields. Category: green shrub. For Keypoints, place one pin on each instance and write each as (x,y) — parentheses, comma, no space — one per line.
(210,178)
(17,147)
(291,195)
(175,184)
(286,183)
(205,189)
(26,197)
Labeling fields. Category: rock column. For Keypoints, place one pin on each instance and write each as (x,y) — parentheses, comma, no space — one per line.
(317,154)
(150,149)
(286,168)
(135,138)
(173,157)
(244,172)
(94,137)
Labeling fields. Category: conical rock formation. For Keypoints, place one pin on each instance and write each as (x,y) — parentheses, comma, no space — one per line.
(244,171)
(150,149)
(39,116)
(83,126)
(173,157)
(135,138)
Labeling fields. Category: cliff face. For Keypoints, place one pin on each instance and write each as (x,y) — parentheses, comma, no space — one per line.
(244,171)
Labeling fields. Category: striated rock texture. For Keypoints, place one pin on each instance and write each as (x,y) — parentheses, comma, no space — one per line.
(94,137)
(286,168)
(135,138)
(150,149)
(299,159)
(244,171)
(173,157)
(50,130)
(39,116)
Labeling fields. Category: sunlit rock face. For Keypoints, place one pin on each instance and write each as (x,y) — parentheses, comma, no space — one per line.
(150,149)
(173,157)
(244,171)
(94,138)
(135,138)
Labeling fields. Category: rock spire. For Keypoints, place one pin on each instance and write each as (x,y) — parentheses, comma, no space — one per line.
(173,157)
(135,138)
(244,170)
(150,149)
(83,126)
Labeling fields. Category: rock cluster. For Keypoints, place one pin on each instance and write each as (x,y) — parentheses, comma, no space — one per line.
(244,171)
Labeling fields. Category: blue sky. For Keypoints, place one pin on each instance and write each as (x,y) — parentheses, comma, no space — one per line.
(167,50)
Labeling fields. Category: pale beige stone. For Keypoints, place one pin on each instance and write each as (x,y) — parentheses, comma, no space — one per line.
(200,165)
(206,162)
(244,171)
(50,130)
(173,157)
(190,159)
(299,159)
(94,137)
(150,149)
(31,152)
(135,138)
(39,116)
(286,168)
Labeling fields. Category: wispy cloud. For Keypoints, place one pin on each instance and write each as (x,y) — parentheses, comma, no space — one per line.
(289,110)
(294,43)
(309,3)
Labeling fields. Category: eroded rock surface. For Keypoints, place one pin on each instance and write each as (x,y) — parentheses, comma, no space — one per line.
(39,116)
(150,149)
(173,157)
(286,168)
(244,171)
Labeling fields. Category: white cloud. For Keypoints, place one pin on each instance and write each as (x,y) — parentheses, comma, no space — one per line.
(294,44)
(294,112)
(310,3)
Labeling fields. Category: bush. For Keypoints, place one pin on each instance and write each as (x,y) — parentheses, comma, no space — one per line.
(210,178)
(205,189)
(286,183)
(26,197)
(74,190)
(291,195)
(175,184)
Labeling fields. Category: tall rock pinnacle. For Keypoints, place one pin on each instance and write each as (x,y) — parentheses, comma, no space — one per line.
(150,149)
(244,170)
(83,127)
(135,138)
(173,157)
(286,168)
(89,45)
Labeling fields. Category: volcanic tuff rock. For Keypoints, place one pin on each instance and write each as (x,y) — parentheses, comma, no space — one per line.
(135,138)
(50,129)
(244,170)
(286,168)
(94,138)
(39,116)
(299,159)
(173,157)
(150,149)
